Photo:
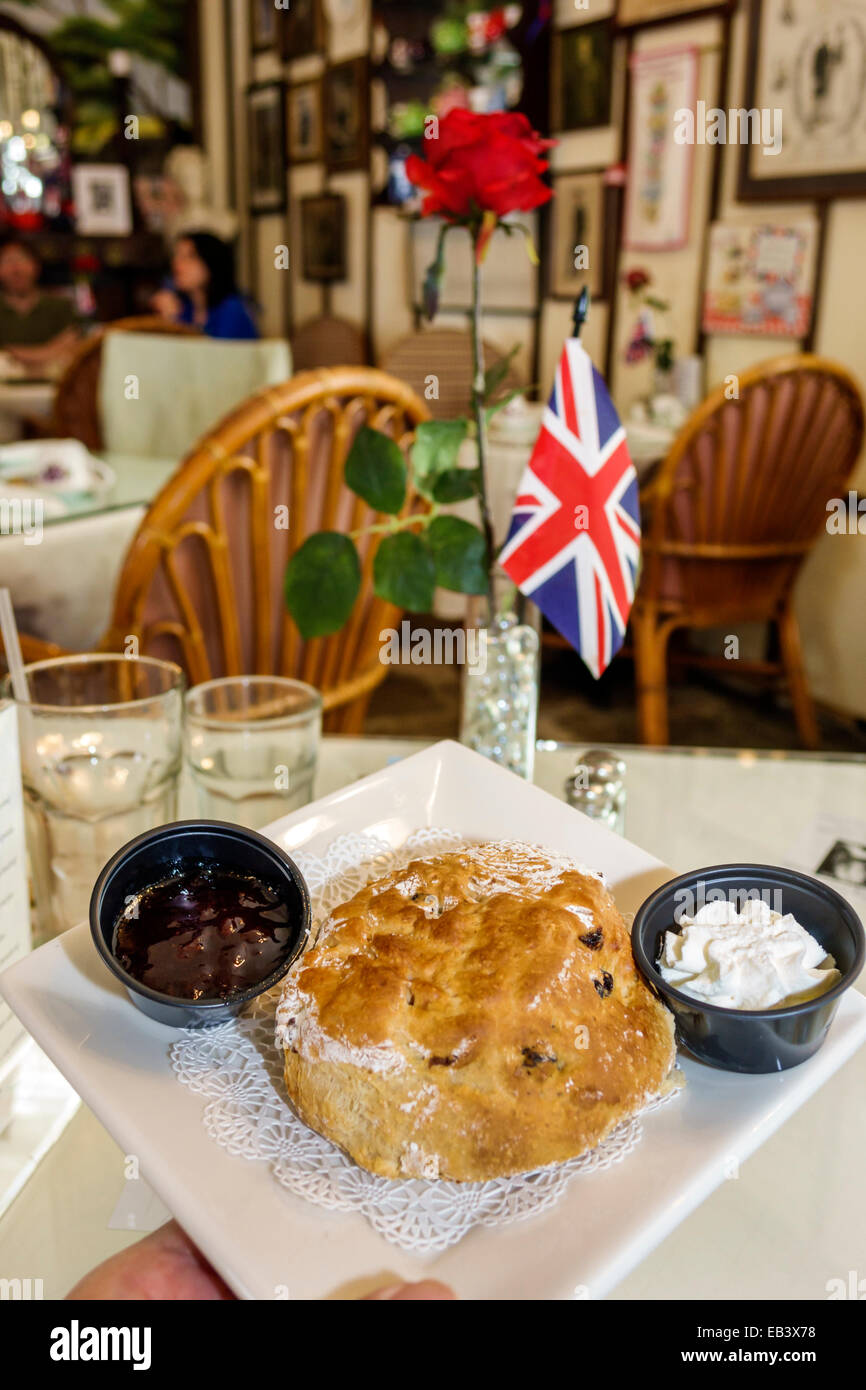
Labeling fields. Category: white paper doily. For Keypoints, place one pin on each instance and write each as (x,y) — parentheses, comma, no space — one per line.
(239,1068)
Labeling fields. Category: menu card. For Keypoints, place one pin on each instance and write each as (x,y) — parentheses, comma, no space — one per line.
(14,897)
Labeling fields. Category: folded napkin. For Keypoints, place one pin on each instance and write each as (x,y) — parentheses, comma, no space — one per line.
(50,465)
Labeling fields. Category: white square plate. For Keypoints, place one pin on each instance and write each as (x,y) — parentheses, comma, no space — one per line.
(265,1241)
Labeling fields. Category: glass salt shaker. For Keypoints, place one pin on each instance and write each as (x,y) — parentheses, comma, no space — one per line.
(597,787)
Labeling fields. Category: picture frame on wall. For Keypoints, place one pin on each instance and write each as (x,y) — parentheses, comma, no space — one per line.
(809,63)
(582,76)
(576,221)
(266,140)
(658,191)
(302,29)
(103,202)
(264,21)
(304,122)
(346,115)
(631,13)
(323,237)
(761,279)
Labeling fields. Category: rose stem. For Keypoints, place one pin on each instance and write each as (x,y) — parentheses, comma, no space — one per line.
(480,418)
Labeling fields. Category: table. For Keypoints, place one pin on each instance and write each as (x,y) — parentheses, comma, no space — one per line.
(648,444)
(794,1217)
(63,587)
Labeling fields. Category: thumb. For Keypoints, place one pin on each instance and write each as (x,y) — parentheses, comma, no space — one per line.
(425,1290)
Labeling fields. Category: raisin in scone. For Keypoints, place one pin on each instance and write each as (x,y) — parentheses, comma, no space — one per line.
(473,1015)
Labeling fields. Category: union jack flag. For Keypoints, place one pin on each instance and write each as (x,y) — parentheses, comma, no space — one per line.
(574,540)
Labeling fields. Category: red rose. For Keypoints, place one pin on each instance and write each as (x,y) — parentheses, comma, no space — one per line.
(478,164)
(636,280)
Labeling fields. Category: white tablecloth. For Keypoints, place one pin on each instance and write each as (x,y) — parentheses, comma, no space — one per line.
(63,587)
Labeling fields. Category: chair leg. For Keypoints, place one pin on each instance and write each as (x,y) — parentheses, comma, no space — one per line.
(792,660)
(651,678)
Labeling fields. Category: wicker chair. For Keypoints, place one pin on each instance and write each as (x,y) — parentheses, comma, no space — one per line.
(734,510)
(32,649)
(202,583)
(328,342)
(75,414)
(446,354)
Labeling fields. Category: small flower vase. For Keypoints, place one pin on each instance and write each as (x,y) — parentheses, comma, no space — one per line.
(500,687)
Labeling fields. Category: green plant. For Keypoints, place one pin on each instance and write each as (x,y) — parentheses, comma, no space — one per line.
(155,30)
(417,551)
(479,169)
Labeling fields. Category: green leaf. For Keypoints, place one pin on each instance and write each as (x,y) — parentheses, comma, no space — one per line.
(376,470)
(403,572)
(459,554)
(437,444)
(457,485)
(492,410)
(322,582)
(496,374)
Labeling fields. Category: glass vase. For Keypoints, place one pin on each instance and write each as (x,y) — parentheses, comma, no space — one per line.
(500,686)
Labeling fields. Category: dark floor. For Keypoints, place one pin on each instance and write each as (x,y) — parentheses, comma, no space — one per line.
(423,701)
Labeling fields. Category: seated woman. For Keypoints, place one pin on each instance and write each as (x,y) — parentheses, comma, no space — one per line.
(37,329)
(204,291)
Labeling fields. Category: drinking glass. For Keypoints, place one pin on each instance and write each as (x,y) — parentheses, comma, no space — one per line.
(251,744)
(100,740)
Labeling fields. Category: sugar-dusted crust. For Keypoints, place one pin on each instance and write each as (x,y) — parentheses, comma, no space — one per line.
(473,1015)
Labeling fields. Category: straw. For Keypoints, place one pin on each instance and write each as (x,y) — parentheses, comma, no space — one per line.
(14,659)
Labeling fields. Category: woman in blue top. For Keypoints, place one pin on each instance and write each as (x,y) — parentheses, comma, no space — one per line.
(204,291)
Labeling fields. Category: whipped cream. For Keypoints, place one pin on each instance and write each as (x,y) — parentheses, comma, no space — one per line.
(750,959)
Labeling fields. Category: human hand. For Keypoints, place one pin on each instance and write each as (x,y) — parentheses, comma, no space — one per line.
(167,304)
(164,1265)
(167,1266)
(26,355)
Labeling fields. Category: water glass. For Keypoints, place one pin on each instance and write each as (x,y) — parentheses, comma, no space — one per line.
(251,745)
(100,740)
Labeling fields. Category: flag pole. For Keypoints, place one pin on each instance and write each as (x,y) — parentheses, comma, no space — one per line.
(581,311)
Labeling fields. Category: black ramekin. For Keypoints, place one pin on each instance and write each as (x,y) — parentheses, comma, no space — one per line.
(753,1040)
(155,855)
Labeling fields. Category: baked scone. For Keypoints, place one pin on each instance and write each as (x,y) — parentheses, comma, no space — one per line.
(470,1016)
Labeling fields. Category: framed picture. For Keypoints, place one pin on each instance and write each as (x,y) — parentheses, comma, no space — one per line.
(103,202)
(760,279)
(806,76)
(659,184)
(264,19)
(302,29)
(582,76)
(304,122)
(266,137)
(632,12)
(323,237)
(345,106)
(576,246)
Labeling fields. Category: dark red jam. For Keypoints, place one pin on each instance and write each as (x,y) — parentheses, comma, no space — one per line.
(203,933)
